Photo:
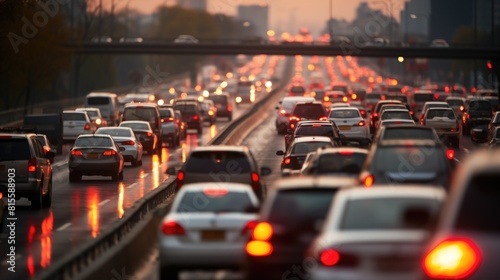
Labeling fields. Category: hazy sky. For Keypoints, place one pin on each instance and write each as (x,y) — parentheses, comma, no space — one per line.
(287,15)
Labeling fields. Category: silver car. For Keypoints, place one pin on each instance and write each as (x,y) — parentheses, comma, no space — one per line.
(207,227)
(126,138)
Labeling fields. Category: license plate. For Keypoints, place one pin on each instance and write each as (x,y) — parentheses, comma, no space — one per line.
(92,155)
(344,128)
(213,235)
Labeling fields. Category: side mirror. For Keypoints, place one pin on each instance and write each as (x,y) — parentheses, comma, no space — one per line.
(50,154)
(122,149)
(264,171)
(280,153)
(171,171)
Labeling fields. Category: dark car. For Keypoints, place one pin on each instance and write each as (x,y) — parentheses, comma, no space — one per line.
(294,156)
(406,132)
(22,157)
(49,124)
(290,219)
(296,90)
(477,112)
(304,111)
(479,133)
(95,154)
(46,146)
(144,133)
(314,128)
(148,112)
(209,111)
(223,105)
(407,162)
(170,127)
(181,123)
(494,123)
(374,116)
(345,162)
(191,114)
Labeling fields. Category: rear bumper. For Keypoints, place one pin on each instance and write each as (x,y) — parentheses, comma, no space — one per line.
(24,189)
(94,168)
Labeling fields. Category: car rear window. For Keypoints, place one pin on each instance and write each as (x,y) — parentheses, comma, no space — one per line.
(93,142)
(344,114)
(92,113)
(186,108)
(139,114)
(301,209)
(480,205)
(14,149)
(216,202)
(298,90)
(74,117)
(309,111)
(114,132)
(307,147)
(374,96)
(340,88)
(340,163)
(431,114)
(497,133)
(406,133)
(136,126)
(396,115)
(220,161)
(455,102)
(423,97)
(98,100)
(219,99)
(312,130)
(165,113)
(389,213)
(401,98)
(404,159)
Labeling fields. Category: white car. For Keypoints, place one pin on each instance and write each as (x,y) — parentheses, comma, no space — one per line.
(76,123)
(285,108)
(351,124)
(392,122)
(208,226)
(126,138)
(375,233)
(390,114)
(94,115)
(339,105)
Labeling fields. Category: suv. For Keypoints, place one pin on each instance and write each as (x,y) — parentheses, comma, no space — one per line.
(145,112)
(191,114)
(444,121)
(222,164)
(223,105)
(304,111)
(467,232)
(22,158)
(477,112)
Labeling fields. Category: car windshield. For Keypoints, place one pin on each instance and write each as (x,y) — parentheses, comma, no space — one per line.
(344,114)
(165,113)
(307,147)
(216,201)
(93,142)
(309,111)
(404,159)
(136,126)
(14,149)
(343,163)
(139,114)
(314,130)
(396,115)
(405,213)
(186,108)
(215,162)
(114,132)
(436,113)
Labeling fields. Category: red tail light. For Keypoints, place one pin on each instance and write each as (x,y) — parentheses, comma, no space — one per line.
(436,96)
(123,119)
(455,258)
(172,228)
(87,126)
(195,117)
(149,134)
(32,165)
(414,105)
(287,161)
(447,89)
(363,112)
(450,154)
(249,227)
(375,114)
(76,153)
(46,150)
(180,179)
(109,153)
(368,181)
(229,108)
(128,143)
(294,118)
(361,123)
(262,231)
(258,248)
(346,153)
(329,257)
(255,180)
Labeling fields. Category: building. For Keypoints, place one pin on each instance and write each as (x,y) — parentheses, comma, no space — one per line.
(193,4)
(415,21)
(447,16)
(255,16)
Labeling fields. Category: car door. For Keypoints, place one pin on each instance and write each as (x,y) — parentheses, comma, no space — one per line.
(42,163)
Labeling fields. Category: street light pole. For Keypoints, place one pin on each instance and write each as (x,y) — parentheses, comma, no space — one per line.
(330,31)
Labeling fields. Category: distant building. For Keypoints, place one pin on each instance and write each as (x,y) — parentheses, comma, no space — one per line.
(256,16)
(447,16)
(193,4)
(415,20)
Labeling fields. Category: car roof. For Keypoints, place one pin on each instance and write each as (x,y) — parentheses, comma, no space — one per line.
(312,139)
(311,123)
(221,148)
(94,135)
(141,104)
(336,150)
(297,98)
(344,108)
(73,111)
(455,98)
(87,109)
(141,122)
(116,127)
(393,191)
(232,187)
(435,102)
(398,120)
(314,182)
(102,94)
(309,103)
(439,108)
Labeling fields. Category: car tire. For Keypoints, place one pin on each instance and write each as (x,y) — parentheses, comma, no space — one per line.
(47,198)
(74,177)
(36,199)
(169,273)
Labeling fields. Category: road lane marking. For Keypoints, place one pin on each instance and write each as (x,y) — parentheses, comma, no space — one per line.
(145,175)
(63,227)
(132,185)
(103,202)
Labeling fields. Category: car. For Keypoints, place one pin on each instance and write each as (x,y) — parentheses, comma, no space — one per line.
(372,99)
(148,112)
(374,116)
(211,234)
(95,154)
(375,233)
(494,140)
(406,132)
(144,133)
(191,114)
(223,104)
(186,39)
(107,103)
(314,128)
(457,104)
(284,109)
(170,127)
(75,124)
(294,156)
(290,218)
(22,157)
(491,95)
(209,111)
(223,163)
(245,93)
(479,133)
(318,94)
(303,111)
(181,123)
(335,161)
(477,112)
(432,104)
(339,105)
(444,121)
(494,123)
(94,115)
(467,231)
(334,96)
(126,138)
(46,146)
(392,122)
(398,114)
(351,124)
(296,90)
(410,161)
(420,97)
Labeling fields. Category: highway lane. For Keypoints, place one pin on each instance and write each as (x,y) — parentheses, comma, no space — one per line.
(82,210)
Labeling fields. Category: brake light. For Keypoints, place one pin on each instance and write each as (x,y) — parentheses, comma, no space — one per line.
(346,153)
(450,154)
(436,96)
(326,98)
(127,143)
(215,191)
(76,153)
(195,117)
(109,153)
(462,108)
(447,89)
(167,120)
(210,113)
(249,227)
(86,127)
(255,180)
(329,257)
(345,99)
(180,179)
(361,123)
(229,108)
(258,248)
(32,165)
(172,228)
(149,134)
(414,105)
(452,258)
(287,161)
(262,231)
(363,112)
(294,118)
(368,181)
(323,118)
(123,119)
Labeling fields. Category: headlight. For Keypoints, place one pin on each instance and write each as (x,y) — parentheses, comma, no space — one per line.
(161,102)
(205,93)
(98,121)
(238,99)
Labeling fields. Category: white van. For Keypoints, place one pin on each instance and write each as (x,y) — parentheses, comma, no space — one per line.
(107,103)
